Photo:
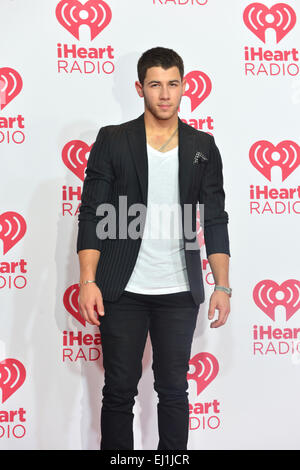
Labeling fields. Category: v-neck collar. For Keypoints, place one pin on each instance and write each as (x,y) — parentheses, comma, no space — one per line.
(175,149)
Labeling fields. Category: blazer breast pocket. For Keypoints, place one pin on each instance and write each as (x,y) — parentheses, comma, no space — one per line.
(200,158)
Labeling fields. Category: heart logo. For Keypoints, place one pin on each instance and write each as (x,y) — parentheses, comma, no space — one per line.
(258,18)
(267,295)
(70,301)
(10,85)
(12,377)
(206,368)
(12,229)
(71,14)
(74,155)
(261,156)
(198,88)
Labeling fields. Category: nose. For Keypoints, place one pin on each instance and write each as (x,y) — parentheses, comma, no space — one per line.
(164,92)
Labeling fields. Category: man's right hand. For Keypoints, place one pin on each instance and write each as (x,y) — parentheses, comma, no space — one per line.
(89,297)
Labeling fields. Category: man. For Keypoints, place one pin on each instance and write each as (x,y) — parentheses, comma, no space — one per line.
(141,284)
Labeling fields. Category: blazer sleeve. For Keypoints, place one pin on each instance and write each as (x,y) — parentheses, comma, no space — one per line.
(212,195)
(97,185)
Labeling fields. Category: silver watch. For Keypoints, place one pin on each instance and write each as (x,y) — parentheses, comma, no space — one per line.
(228,290)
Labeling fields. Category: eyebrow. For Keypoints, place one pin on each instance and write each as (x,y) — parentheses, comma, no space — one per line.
(156,81)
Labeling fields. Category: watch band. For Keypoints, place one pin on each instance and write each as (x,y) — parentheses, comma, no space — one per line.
(228,290)
(84,282)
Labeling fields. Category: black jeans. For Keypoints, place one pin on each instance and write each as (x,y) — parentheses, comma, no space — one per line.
(171,320)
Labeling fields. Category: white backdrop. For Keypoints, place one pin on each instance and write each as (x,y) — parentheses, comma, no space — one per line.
(244,377)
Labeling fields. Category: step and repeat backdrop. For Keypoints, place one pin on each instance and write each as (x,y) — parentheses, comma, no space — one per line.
(69,67)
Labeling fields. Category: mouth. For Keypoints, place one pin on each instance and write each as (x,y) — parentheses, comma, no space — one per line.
(164,106)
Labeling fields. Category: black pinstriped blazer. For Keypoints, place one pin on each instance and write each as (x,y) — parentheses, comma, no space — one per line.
(118,166)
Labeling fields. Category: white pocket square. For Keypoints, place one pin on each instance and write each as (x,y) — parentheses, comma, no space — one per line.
(199,157)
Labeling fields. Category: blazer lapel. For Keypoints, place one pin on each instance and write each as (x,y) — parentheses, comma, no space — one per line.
(136,134)
(138,147)
(187,148)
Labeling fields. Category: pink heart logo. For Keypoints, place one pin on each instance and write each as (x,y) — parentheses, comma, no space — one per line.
(258,18)
(12,229)
(267,295)
(71,14)
(10,85)
(200,233)
(206,368)
(12,377)
(75,155)
(198,88)
(261,156)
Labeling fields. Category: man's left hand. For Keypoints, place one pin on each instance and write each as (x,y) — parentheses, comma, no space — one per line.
(221,301)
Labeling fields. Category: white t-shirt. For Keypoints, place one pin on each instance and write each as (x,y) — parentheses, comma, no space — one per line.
(160,267)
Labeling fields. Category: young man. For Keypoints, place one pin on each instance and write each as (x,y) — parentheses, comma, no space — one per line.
(149,282)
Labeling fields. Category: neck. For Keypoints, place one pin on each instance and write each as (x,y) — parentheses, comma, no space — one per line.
(160,126)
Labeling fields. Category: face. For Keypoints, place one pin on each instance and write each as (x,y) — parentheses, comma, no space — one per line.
(162,91)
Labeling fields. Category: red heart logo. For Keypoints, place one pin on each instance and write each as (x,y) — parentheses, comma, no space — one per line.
(12,229)
(198,88)
(206,368)
(265,295)
(12,377)
(258,18)
(10,85)
(75,155)
(70,301)
(72,14)
(261,157)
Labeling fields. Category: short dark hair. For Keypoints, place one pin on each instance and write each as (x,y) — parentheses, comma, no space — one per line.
(159,57)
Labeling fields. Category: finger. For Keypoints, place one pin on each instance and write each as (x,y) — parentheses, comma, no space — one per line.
(93,316)
(216,323)
(227,314)
(221,319)
(100,308)
(211,310)
(85,310)
(96,318)
(85,315)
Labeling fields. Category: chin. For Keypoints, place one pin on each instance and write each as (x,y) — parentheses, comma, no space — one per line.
(166,114)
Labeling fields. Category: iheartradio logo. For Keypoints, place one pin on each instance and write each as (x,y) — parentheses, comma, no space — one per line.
(78,346)
(71,14)
(198,88)
(10,85)
(12,229)
(74,155)
(206,368)
(267,295)
(280,17)
(264,156)
(12,377)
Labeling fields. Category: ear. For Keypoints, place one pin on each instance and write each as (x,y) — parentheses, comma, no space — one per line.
(139,89)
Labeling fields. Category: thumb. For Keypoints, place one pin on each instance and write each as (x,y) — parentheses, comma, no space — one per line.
(211,310)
